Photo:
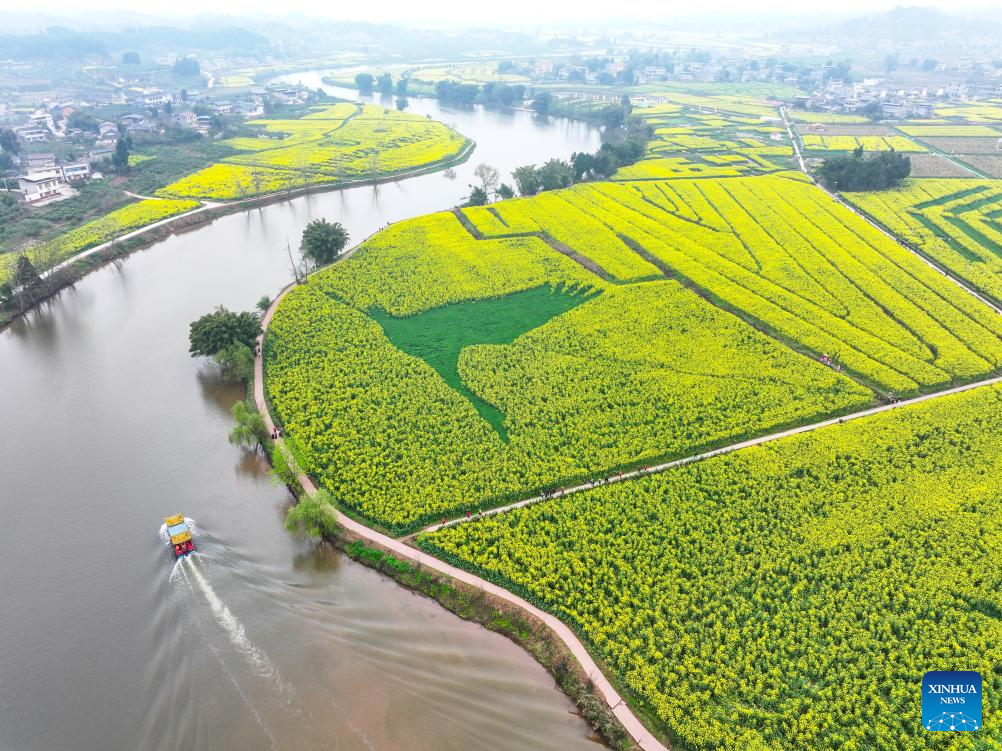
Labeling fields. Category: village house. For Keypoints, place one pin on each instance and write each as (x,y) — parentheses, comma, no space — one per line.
(42,119)
(185,119)
(203,123)
(40,185)
(97,154)
(38,162)
(75,171)
(34,135)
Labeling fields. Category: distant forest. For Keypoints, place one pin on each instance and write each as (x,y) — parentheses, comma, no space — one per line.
(58,43)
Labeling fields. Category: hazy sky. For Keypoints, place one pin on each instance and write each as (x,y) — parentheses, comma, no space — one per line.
(465,12)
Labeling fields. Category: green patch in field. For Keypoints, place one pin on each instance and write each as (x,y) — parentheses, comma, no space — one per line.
(437,336)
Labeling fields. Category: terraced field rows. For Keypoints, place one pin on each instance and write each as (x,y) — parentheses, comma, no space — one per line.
(957,223)
(869,143)
(784,255)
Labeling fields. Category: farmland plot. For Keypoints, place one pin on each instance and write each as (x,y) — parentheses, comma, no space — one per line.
(782,596)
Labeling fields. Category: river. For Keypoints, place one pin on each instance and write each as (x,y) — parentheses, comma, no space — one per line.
(261,640)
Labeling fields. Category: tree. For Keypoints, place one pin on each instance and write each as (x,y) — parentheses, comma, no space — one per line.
(478,196)
(488,177)
(554,174)
(217,330)
(929,64)
(130,58)
(250,431)
(263,303)
(7,296)
(582,164)
(527,180)
(542,101)
(120,159)
(8,141)
(385,84)
(885,170)
(314,515)
(83,121)
(505,191)
(25,276)
(236,362)
(605,163)
(401,87)
(612,116)
(460,93)
(872,110)
(186,67)
(323,241)
(401,104)
(891,62)
(364,83)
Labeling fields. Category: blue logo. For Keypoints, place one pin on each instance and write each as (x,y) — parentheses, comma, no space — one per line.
(951,700)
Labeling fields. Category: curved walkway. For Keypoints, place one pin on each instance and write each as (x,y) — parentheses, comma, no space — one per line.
(633,726)
(134,233)
(623,713)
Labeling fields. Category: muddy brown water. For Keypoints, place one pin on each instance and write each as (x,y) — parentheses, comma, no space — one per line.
(259,641)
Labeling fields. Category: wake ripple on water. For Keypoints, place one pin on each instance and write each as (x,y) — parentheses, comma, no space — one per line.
(247,702)
(235,631)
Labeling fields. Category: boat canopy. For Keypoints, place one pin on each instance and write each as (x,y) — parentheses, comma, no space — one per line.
(178,529)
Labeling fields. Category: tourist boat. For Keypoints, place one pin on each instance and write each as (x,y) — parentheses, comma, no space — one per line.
(180,535)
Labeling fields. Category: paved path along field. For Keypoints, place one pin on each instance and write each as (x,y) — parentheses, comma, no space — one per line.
(623,713)
(134,233)
(634,727)
(654,469)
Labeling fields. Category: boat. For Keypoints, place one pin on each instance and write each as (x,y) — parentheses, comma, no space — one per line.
(180,535)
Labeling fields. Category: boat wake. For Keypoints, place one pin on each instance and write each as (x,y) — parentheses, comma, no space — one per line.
(234,629)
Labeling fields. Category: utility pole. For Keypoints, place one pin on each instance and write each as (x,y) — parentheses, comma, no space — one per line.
(292,262)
